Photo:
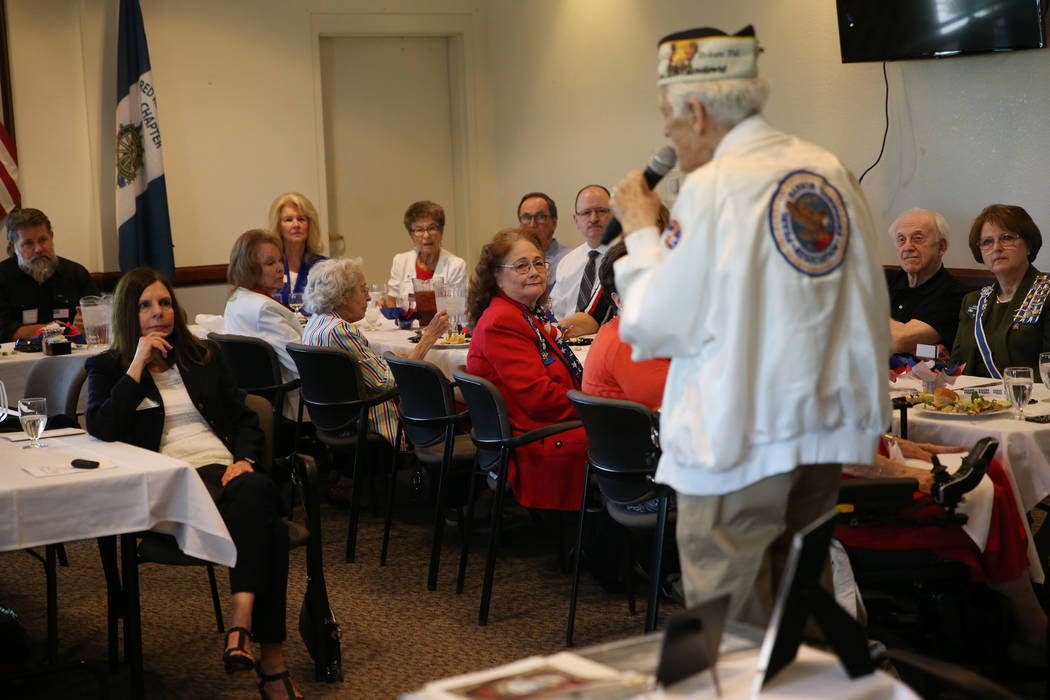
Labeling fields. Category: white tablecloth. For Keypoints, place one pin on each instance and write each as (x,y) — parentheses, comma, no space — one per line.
(14,366)
(143,490)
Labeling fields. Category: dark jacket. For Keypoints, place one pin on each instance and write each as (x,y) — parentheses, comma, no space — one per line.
(114,399)
(61,292)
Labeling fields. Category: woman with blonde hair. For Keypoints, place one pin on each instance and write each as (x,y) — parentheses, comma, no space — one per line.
(293,219)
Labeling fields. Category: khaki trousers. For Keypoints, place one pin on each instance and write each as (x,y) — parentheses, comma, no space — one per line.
(738,542)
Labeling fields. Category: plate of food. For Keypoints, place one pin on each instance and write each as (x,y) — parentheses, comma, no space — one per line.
(452,341)
(946,403)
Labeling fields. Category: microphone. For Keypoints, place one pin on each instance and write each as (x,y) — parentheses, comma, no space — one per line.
(660,163)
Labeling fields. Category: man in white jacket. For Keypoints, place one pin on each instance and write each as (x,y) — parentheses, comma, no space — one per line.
(765,293)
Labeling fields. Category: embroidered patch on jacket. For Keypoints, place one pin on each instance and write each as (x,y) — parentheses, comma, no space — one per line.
(809,223)
(971,310)
(672,234)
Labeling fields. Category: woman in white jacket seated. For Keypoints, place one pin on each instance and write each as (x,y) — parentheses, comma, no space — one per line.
(425,223)
(256,271)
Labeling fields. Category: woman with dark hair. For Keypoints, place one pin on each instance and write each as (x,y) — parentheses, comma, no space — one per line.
(517,346)
(161,388)
(293,219)
(425,223)
(256,271)
(1004,325)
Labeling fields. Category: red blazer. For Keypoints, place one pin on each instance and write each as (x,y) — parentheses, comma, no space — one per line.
(504,349)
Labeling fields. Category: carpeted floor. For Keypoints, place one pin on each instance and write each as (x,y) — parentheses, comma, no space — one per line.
(396,635)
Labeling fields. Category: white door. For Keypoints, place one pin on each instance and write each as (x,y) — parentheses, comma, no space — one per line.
(388,136)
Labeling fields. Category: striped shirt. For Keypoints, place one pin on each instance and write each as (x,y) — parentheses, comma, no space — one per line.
(332,331)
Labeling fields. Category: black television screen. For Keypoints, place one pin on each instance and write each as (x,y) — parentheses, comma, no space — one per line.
(891,30)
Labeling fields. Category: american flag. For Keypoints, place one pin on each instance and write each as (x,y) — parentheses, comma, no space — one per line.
(10,197)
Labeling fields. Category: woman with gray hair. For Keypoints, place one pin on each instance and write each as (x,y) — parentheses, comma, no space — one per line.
(337,295)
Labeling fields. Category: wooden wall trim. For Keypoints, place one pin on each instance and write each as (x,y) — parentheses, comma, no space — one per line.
(192,276)
(971,278)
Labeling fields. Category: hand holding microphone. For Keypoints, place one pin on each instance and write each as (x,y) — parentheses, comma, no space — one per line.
(660,163)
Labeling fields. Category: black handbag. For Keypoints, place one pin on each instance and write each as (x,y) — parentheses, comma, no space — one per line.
(317,623)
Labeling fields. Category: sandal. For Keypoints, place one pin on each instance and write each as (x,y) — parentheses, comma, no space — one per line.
(238,658)
(284,677)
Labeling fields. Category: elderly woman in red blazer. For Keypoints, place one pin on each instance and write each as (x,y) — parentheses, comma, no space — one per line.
(517,346)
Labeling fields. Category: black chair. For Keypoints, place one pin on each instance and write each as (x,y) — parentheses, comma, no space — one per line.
(255,369)
(59,380)
(494,439)
(429,418)
(332,389)
(623,451)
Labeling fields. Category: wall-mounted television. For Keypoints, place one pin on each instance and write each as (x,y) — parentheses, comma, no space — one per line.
(892,30)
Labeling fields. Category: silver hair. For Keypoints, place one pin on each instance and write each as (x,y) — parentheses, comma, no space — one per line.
(939,221)
(330,282)
(727,102)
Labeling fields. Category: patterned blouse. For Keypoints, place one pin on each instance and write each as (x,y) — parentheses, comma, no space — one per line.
(332,331)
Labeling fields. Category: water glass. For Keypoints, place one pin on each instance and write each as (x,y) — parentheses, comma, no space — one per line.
(372,314)
(1044,369)
(453,299)
(3,402)
(33,414)
(97,313)
(295,302)
(1017,382)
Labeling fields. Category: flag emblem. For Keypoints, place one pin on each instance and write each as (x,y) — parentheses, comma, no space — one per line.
(129,153)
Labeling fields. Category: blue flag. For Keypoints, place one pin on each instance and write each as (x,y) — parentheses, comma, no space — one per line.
(142,197)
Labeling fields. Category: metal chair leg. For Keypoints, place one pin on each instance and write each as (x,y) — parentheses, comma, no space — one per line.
(497,518)
(132,616)
(395,463)
(355,492)
(654,578)
(50,556)
(468,527)
(107,550)
(216,605)
(439,507)
(577,557)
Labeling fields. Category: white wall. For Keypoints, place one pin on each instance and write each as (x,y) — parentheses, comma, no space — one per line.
(564,96)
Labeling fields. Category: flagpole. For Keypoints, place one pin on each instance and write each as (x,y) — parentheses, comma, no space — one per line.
(5,73)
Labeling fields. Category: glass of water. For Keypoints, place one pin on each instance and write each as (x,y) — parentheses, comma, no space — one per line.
(1044,369)
(295,302)
(1017,381)
(33,414)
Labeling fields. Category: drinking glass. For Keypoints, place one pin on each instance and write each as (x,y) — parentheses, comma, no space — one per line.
(453,299)
(1017,381)
(372,314)
(3,403)
(33,414)
(426,299)
(295,302)
(1044,369)
(96,312)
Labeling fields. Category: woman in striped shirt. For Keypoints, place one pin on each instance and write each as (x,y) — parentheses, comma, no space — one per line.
(337,295)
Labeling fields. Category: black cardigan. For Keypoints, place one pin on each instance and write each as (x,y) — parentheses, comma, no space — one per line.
(114,399)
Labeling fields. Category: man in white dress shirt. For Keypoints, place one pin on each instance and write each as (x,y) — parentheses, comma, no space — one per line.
(765,292)
(577,290)
(538,212)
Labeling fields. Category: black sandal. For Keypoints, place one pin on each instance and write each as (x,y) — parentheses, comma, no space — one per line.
(238,658)
(283,676)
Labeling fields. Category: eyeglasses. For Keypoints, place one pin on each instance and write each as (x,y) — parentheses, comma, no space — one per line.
(1007,240)
(596,211)
(522,267)
(529,218)
(419,231)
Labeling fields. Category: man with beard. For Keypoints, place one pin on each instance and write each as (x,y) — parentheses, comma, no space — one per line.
(37,286)
(577,299)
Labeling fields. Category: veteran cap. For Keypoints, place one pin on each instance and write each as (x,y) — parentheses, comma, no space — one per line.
(706,54)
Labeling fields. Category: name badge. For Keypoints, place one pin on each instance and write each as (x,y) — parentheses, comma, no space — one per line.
(60,314)
(29,316)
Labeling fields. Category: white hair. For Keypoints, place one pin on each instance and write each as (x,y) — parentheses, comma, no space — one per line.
(330,282)
(939,221)
(727,102)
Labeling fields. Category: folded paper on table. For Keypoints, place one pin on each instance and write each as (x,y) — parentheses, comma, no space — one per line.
(54,433)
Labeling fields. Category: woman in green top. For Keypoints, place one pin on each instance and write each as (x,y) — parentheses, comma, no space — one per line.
(1004,325)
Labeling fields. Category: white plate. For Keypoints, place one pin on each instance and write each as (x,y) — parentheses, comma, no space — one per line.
(941,414)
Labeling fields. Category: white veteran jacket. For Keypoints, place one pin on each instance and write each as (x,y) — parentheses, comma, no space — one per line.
(764,292)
